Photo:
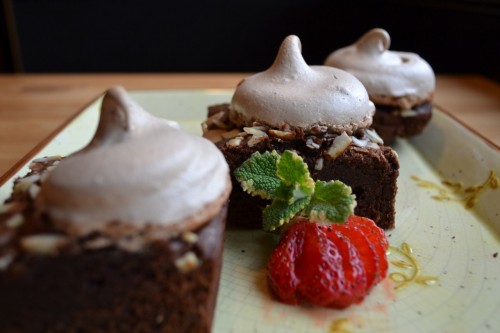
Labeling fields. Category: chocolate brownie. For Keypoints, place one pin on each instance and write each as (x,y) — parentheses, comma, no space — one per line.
(51,281)
(391,122)
(124,235)
(371,169)
(401,84)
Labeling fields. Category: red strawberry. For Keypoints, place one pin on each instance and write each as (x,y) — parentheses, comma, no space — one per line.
(332,265)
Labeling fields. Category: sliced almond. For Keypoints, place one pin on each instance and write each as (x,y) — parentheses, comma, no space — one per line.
(15,221)
(340,143)
(234,142)
(47,159)
(98,243)
(5,261)
(373,136)
(359,142)
(311,144)
(189,237)
(23,183)
(6,207)
(282,134)
(408,113)
(43,244)
(255,131)
(217,120)
(318,129)
(319,164)
(187,262)
(33,190)
(255,140)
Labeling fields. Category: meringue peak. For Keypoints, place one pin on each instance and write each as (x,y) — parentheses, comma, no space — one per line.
(294,93)
(289,62)
(374,42)
(122,117)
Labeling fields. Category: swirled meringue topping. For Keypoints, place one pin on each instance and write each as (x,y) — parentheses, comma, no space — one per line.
(386,74)
(138,170)
(291,92)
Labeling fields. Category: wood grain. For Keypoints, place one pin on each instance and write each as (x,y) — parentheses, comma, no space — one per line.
(32,107)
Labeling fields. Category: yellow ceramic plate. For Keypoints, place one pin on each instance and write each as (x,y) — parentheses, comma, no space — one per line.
(449,283)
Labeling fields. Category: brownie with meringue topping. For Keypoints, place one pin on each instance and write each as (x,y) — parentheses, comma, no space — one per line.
(68,267)
(401,84)
(323,114)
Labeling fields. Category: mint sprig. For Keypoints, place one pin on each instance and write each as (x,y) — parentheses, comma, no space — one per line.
(286,181)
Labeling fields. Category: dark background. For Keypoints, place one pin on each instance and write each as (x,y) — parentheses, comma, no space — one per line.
(232,36)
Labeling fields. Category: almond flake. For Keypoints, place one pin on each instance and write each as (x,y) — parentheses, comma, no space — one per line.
(282,134)
(318,129)
(255,131)
(189,237)
(359,142)
(47,159)
(98,243)
(340,143)
(43,244)
(319,164)
(234,142)
(24,183)
(220,124)
(255,140)
(33,190)
(187,262)
(15,221)
(5,261)
(373,136)
(131,244)
(408,113)
(217,120)
(311,144)
(6,207)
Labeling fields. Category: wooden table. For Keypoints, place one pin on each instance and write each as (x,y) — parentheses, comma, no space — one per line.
(34,106)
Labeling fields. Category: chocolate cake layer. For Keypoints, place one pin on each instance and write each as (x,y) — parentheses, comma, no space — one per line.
(53,282)
(391,122)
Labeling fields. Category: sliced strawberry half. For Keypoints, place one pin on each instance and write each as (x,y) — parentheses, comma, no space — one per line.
(377,238)
(366,250)
(354,270)
(281,265)
(319,268)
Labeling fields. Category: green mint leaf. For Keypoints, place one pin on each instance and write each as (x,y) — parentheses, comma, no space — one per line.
(280,212)
(290,193)
(332,201)
(294,172)
(258,174)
